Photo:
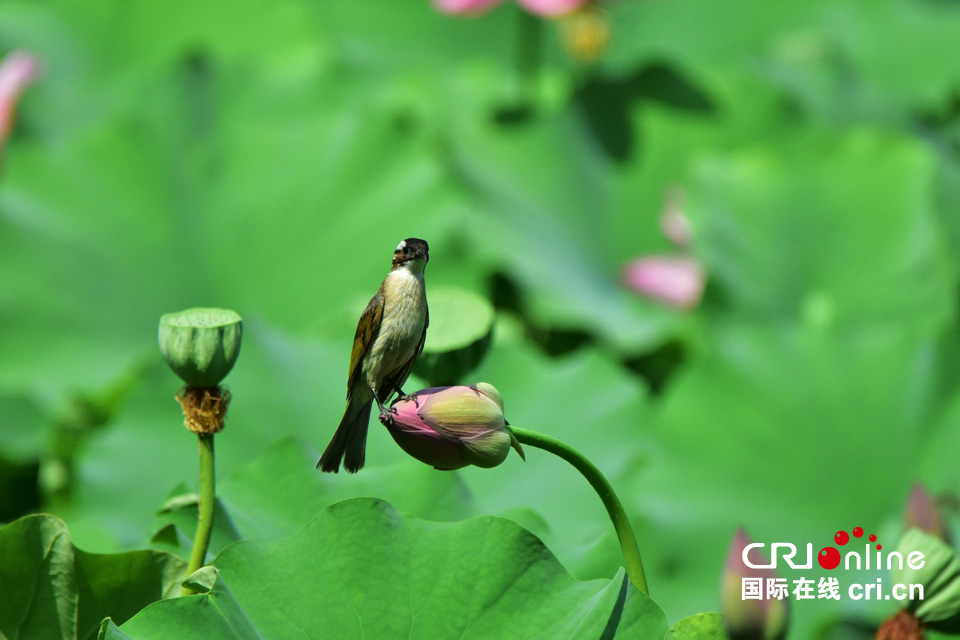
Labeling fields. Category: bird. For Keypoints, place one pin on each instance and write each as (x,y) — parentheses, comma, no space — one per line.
(389,338)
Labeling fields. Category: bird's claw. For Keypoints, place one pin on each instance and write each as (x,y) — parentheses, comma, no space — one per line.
(408,398)
(386,417)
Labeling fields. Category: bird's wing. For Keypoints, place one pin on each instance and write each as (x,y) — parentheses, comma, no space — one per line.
(404,372)
(423,336)
(367,330)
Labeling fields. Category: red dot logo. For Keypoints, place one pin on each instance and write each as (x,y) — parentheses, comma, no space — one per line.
(841,538)
(879,547)
(828,558)
(857,532)
(873,538)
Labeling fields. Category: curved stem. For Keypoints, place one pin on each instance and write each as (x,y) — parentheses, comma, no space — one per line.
(207,501)
(628,542)
(529,46)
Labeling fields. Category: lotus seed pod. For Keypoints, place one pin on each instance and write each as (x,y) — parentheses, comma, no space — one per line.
(201,345)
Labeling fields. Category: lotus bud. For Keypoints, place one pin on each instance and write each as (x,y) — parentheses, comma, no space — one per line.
(545,8)
(674,223)
(18,70)
(674,280)
(452,427)
(465,7)
(201,345)
(922,514)
(746,618)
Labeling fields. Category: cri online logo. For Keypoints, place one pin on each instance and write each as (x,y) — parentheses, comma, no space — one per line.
(829,557)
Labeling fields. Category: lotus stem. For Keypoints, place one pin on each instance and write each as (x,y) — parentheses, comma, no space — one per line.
(201,541)
(628,542)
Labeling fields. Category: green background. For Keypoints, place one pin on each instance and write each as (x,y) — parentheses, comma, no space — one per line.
(268,156)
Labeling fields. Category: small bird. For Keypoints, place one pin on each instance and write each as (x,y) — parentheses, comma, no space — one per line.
(389,338)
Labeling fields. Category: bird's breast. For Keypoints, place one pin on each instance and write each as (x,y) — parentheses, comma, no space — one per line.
(404,314)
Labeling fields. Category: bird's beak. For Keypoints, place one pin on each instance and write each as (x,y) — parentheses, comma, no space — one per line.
(423,254)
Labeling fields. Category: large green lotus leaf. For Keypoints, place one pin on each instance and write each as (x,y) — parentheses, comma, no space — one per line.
(940,471)
(545,219)
(82,318)
(349,184)
(24,427)
(52,589)
(783,238)
(731,38)
(96,306)
(460,332)
(701,626)
(948,187)
(117,114)
(668,143)
(377,36)
(206,151)
(923,35)
(362,569)
(791,432)
(106,55)
(822,53)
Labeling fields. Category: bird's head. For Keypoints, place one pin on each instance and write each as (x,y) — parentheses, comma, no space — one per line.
(413,253)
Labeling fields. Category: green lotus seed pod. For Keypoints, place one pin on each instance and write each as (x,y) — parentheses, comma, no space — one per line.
(201,345)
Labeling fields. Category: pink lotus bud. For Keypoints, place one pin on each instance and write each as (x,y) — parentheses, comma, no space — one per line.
(747,618)
(675,280)
(465,7)
(18,70)
(673,221)
(551,8)
(922,513)
(452,427)
(547,8)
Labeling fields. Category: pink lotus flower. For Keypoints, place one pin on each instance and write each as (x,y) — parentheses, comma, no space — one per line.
(546,8)
(674,223)
(452,427)
(18,70)
(922,514)
(675,280)
(763,619)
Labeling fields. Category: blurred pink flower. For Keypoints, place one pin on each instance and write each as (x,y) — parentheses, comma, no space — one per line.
(674,223)
(922,513)
(762,619)
(674,280)
(18,70)
(547,8)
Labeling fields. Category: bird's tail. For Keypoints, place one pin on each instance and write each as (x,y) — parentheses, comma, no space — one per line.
(349,441)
